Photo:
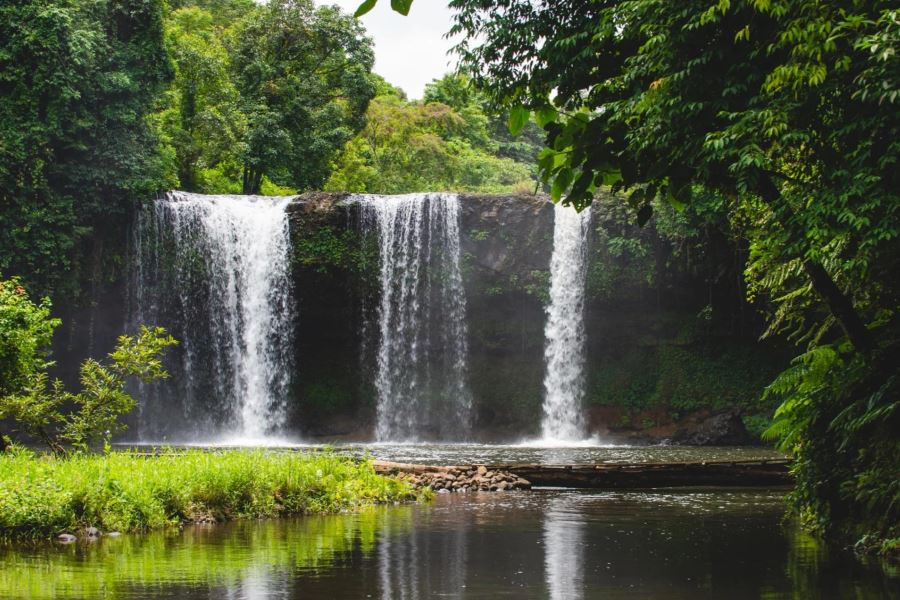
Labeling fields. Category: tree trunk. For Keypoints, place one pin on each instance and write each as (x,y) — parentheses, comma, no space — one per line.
(252,181)
(839,303)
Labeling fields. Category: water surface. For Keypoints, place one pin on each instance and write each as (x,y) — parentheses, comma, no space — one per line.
(543,544)
(525,453)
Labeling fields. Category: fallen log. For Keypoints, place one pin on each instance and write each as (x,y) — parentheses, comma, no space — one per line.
(761,473)
(750,473)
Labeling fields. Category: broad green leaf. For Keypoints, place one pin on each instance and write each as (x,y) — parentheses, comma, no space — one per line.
(401,6)
(678,196)
(364,8)
(545,115)
(518,118)
(561,183)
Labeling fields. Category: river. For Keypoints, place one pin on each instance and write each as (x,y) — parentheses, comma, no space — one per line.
(546,543)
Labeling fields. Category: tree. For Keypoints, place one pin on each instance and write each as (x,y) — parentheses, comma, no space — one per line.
(203,121)
(46,411)
(26,331)
(489,126)
(77,80)
(424,146)
(304,78)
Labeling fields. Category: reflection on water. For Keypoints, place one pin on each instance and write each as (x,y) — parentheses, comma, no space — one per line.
(563,549)
(412,561)
(553,543)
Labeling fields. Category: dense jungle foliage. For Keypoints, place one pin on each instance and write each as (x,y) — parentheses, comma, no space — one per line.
(787,109)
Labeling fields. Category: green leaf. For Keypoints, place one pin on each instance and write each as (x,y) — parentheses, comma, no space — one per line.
(400,6)
(518,118)
(679,194)
(545,115)
(364,8)
(561,183)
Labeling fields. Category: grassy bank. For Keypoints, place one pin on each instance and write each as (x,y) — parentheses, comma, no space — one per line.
(42,495)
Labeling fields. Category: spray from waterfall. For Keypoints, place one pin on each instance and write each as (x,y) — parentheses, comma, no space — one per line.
(215,271)
(564,352)
(421,371)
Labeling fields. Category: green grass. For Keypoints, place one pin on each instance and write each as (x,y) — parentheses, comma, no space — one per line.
(42,495)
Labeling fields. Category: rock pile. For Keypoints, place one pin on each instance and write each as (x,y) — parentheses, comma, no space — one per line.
(469,478)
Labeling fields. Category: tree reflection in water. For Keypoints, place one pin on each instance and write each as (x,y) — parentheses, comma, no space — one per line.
(561,544)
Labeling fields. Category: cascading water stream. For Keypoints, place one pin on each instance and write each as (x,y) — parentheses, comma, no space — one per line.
(421,371)
(215,271)
(564,351)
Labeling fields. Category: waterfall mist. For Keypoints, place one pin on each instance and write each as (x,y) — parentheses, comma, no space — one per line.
(564,351)
(422,350)
(215,271)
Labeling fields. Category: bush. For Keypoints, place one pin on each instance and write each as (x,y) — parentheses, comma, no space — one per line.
(26,331)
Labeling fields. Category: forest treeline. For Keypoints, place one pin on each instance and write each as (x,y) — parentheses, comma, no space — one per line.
(103,103)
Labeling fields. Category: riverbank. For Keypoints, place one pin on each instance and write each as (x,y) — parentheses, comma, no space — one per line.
(42,496)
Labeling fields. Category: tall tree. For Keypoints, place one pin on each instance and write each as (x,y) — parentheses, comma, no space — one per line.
(304,78)
(203,121)
(77,81)
(424,146)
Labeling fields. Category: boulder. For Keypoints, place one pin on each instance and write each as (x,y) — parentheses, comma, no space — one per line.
(722,429)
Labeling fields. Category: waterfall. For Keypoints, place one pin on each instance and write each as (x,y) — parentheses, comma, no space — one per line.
(215,271)
(564,352)
(422,351)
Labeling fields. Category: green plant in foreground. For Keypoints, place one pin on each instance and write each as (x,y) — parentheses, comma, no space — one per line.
(45,410)
(42,495)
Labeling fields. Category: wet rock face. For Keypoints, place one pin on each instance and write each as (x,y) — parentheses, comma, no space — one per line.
(505,236)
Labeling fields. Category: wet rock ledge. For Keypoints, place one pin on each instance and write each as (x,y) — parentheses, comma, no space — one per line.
(467,478)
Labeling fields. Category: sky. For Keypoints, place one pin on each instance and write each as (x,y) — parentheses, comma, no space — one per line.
(409,51)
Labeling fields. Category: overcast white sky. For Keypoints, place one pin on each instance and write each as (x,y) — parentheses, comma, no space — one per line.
(409,51)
